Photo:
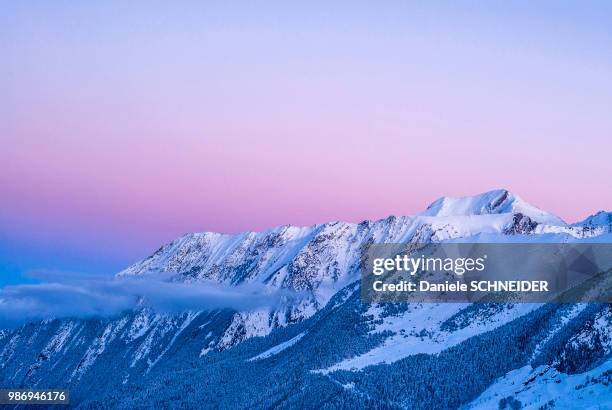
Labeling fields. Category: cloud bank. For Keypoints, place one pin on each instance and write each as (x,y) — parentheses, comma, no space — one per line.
(82,296)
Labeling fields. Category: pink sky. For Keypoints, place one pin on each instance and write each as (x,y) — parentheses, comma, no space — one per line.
(133,126)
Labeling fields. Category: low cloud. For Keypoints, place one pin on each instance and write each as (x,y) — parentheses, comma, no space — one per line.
(79,295)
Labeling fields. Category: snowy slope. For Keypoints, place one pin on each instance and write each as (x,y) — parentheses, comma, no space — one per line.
(499,201)
(420,329)
(545,386)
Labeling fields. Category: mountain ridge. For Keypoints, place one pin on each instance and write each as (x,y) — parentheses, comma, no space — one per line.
(494,202)
(327,336)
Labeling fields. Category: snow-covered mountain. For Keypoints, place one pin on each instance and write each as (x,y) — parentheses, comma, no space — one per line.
(324,337)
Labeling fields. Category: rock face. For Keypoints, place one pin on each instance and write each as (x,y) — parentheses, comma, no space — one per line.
(320,264)
(521,225)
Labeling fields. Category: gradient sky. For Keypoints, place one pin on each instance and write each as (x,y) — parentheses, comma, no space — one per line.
(125,124)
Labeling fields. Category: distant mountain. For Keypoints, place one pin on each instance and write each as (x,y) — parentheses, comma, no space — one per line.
(601,219)
(323,346)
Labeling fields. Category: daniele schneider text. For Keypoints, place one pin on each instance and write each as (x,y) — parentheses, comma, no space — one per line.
(457,266)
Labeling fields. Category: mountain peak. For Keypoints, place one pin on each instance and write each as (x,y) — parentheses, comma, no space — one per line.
(491,202)
(498,201)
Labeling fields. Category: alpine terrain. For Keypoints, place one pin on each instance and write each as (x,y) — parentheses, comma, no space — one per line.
(319,346)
